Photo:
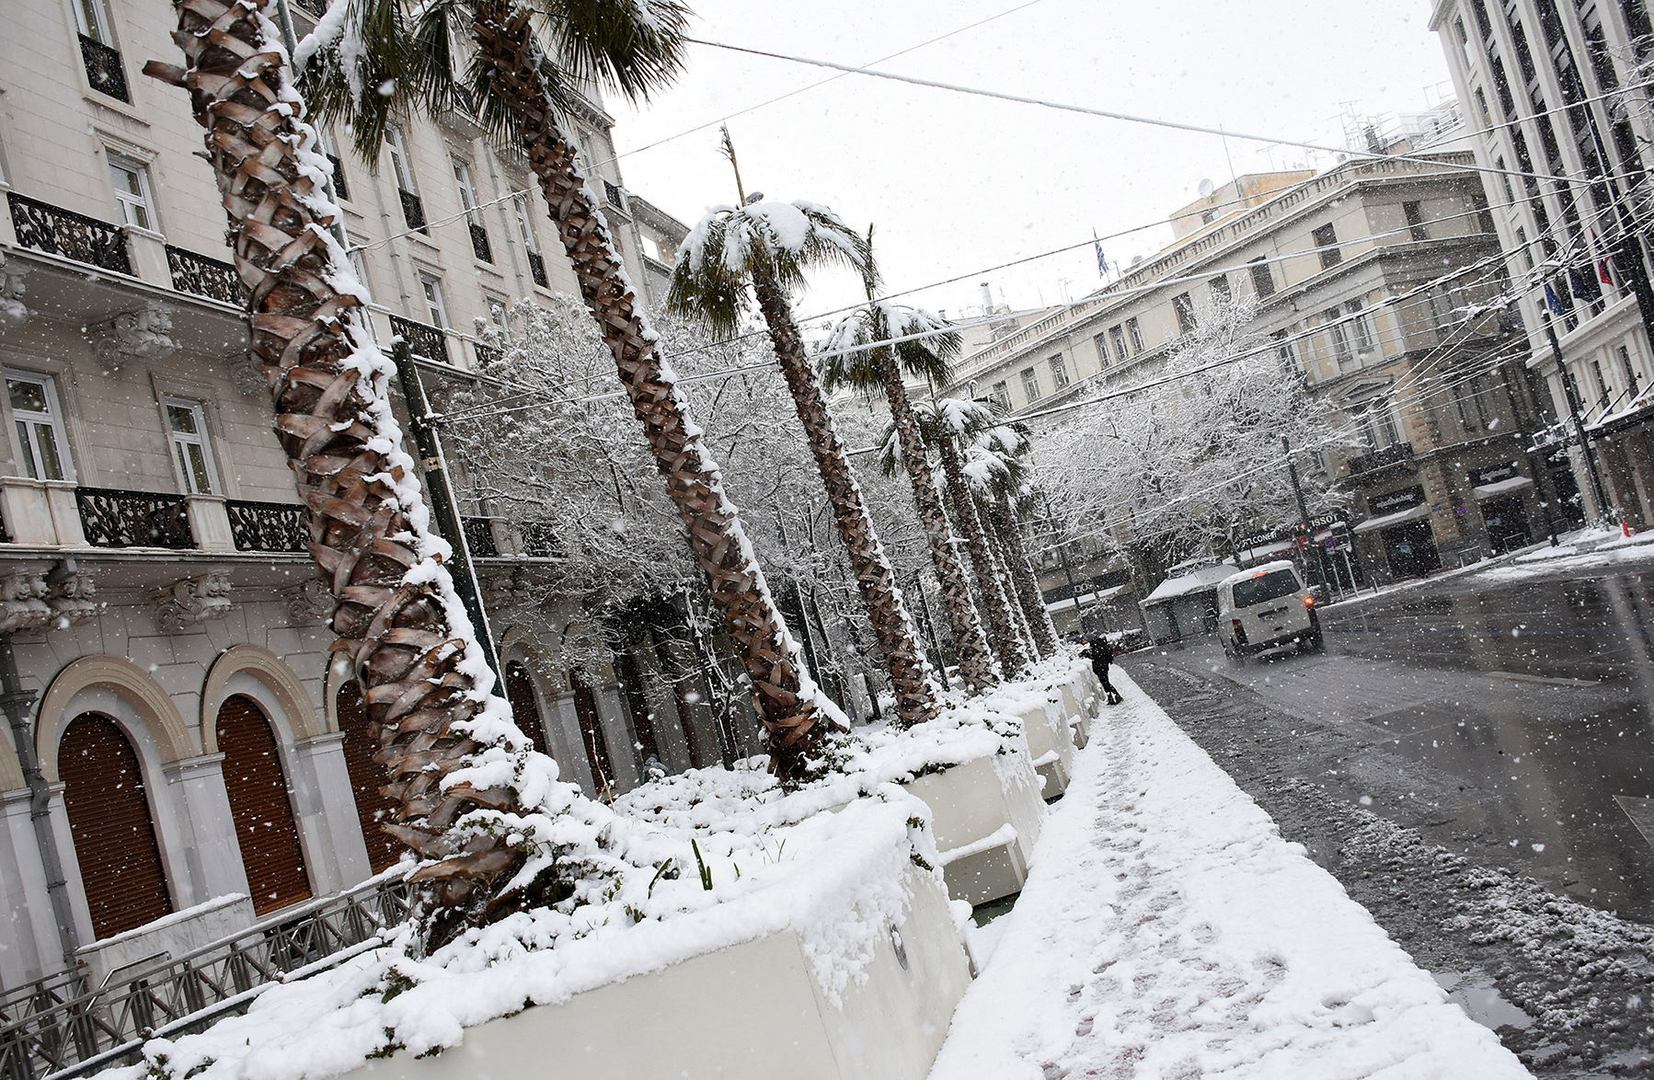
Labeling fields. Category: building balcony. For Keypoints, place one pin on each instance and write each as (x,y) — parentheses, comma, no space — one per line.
(56,231)
(61,514)
(1380,459)
(424,341)
(500,538)
(201,276)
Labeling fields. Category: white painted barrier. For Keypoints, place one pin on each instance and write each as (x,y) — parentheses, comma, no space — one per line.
(986,814)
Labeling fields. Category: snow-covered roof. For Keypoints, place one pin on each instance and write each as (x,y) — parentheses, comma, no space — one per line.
(1206,577)
(1088,598)
(1258,571)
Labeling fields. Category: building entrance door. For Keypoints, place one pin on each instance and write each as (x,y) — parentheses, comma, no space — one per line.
(1411,549)
(1507,523)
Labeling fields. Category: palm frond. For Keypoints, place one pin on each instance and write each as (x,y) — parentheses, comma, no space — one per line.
(634,47)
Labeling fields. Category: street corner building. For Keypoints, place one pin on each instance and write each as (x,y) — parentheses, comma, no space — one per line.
(184,767)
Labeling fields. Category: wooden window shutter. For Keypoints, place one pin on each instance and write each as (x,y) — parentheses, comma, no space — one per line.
(367,777)
(109,819)
(525,707)
(261,807)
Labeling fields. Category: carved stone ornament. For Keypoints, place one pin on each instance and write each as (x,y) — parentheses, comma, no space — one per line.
(72,595)
(23,602)
(131,336)
(310,602)
(192,601)
(13,311)
(247,376)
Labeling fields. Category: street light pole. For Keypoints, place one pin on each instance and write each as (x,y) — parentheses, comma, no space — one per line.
(1306,530)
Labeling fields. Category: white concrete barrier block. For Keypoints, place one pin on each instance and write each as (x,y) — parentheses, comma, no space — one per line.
(1050,745)
(751,1011)
(986,815)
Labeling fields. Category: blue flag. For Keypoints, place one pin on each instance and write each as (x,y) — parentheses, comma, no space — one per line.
(1102,260)
(1554,302)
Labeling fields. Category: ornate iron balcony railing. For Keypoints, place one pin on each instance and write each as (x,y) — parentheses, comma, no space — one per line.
(104,72)
(413,210)
(423,340)
(537,269)
(265,526)
(62,1027)
(113,518)
(1379,459)
(479,537)
(212,278)
(341,190)
(487,355)
(540,540)
(479,243)
(57,231)
(615,196)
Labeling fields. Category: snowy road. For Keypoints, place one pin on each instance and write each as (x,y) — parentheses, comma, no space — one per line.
(1458,782)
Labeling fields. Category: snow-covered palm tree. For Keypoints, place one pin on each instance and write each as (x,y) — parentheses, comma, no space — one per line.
(872,349)
(517,63)
(950,425)
(768,246)
(996,465)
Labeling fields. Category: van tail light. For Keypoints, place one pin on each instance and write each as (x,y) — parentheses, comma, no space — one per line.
(1240,631)
(1309,601)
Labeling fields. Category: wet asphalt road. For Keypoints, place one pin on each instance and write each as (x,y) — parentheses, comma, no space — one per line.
(1508,716)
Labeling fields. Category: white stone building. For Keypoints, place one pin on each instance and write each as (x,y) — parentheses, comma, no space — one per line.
(178,734)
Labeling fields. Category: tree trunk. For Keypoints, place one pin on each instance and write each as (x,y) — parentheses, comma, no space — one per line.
(787,702)
(1002,574)
(975,661)
(910,678)
(1002,634)
(1026,581)
(398,622)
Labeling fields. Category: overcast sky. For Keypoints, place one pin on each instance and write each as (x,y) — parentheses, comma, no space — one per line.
(955,183)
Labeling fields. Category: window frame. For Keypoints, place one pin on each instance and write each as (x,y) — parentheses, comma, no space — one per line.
(1134,331)
(1343,354)
(25,443)
(1030,384)
(1412,211)
(144,199)
(436,304)
(202,438)
(1183,306)
(1325,239)
(1059,373)
(396,150)
(1117,338)
(525,223)
(467,189)
(1001,394)
(1365,339)
(94,19)
(1263,279)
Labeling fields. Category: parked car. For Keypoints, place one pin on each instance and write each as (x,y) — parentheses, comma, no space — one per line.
(1267,607)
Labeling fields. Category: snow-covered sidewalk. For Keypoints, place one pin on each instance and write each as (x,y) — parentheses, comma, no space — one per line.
(1168,931)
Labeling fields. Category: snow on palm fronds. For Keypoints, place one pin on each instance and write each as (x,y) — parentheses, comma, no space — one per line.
(718,257)
(925,345)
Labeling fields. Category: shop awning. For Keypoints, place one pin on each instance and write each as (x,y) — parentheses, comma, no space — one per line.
(1411,514)
(1087,598)
(1501,487)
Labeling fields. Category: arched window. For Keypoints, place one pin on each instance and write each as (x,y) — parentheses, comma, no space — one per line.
(591,733)
(525,707)
(261,807)
(109,819)
(366,778)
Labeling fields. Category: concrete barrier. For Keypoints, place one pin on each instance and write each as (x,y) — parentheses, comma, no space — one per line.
(986,814)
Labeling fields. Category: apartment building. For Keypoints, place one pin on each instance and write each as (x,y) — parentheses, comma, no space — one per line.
(1558,94)
(183,758)
(1378,281)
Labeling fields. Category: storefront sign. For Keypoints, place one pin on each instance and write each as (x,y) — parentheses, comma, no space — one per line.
(1493,474)
(1287,532)
(1395,501)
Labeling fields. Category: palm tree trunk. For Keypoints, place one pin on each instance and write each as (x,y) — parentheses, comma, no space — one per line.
(1001,633)
(910,677)
(1002,574)
(398,622)
(1025,580)
(975,661)
(788,702)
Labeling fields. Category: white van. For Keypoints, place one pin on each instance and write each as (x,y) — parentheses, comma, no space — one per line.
(1264,608)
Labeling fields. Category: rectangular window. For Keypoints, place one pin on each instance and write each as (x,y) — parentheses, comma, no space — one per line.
(1030,384)
(1326,239)
(1414,213)
(1481,104)
(1117,334)
(1135,334)
(1486,411)
(1630,369)
(1001,396)
(1361,330)
(1339,336)
(1283,347)
(1464,44)
(1263,282)
(330,150)
(467,191)
(42,448)
(525,223)
(1059,373)
(130,180)
(1603,389)
(1522,242)
(1510,192)
(1220,290)
(188,427)
(435,309)
(93,20)
(1462,405)
(1185,309)
(396,150)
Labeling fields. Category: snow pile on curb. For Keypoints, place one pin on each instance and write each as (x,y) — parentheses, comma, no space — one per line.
(1167,930)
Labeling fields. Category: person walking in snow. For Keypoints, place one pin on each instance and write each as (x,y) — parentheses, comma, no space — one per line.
(1101,655)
